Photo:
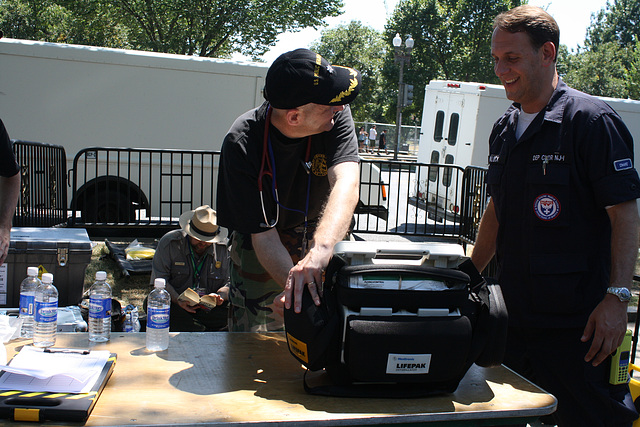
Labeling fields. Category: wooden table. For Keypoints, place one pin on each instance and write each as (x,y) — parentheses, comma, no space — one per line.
(214,378)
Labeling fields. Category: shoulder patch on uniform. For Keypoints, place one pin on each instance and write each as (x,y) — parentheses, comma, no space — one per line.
(621,165)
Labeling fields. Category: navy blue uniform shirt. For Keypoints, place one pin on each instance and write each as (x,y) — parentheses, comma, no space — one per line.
(550,190)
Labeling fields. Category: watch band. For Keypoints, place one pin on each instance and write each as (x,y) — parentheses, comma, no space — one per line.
(623,294)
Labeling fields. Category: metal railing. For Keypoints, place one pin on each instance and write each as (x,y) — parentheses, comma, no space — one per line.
(116,190)
(425,200)
(43,193)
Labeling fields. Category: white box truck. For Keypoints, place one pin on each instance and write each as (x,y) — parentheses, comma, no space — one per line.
(83,96)
(456,122)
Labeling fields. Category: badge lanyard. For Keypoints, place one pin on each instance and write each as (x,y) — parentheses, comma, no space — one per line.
(268,159)
(197,269)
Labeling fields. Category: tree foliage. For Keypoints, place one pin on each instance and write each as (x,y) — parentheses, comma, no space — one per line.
(452,41)
(619,22)
(363,48)
(610,62)
(212,28)
(48,20)
(599,72)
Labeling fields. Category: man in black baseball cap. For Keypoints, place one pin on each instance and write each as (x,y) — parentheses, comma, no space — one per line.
(302,77)
(288,186)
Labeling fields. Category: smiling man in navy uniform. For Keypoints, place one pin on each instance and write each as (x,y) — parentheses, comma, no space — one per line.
(563,223)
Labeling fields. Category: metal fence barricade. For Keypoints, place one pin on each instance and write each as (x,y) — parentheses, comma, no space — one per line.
(43,181)
(144,191)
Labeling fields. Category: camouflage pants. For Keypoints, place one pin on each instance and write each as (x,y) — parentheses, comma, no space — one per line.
(252,289)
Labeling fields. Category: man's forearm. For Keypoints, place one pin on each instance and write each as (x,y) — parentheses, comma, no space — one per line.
(338,211)
(272,254)
(485,245)
(624,242)
(9,190)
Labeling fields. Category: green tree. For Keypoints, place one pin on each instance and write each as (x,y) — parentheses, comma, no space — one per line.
(600,72)
(609,63)
(360,47)
(452,41)
(212,28)
(619,22)
(48,20)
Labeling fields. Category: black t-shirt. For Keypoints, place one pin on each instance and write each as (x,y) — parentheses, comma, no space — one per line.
(239,205)
(8,165)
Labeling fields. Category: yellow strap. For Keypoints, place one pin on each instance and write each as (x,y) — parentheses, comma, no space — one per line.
(26,414)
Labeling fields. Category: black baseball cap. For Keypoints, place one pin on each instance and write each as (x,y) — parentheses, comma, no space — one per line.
(301,77)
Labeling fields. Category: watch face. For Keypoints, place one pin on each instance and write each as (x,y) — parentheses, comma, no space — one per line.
(623,293)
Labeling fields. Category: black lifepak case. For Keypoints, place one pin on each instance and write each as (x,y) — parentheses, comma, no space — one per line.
(397,330)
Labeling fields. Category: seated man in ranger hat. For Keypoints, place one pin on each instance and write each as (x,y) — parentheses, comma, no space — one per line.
(196,257)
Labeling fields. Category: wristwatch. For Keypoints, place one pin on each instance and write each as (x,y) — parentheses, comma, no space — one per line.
(621,292)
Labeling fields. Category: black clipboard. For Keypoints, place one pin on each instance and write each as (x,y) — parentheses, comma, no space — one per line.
(41,406)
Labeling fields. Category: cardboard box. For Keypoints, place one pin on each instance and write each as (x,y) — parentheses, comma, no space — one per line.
(63,252)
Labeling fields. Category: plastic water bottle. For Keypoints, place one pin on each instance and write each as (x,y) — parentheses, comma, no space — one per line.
(158,306)
(27,301)
(127,326)
(46,314)
(100,309)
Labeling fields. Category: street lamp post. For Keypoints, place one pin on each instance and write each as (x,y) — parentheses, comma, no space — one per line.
(402,56)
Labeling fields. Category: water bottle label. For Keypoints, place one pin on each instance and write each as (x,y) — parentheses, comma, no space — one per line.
(46,312)
(158,318)
(26,304)
(99,308)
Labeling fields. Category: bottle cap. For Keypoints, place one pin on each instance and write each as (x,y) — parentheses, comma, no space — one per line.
(32,271)
(159,283)
(101,275)
(47,278)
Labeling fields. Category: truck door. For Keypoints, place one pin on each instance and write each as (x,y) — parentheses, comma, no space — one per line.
(445,148)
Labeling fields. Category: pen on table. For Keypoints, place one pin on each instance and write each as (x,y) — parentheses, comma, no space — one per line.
(67,350)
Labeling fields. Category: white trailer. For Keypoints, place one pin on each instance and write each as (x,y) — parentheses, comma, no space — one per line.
(83,96)
(456,122)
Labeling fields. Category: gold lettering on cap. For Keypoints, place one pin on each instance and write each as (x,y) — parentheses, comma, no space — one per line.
(316,70)
(352,85)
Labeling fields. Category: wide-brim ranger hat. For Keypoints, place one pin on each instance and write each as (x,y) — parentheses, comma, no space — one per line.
(301,77)
(202,223)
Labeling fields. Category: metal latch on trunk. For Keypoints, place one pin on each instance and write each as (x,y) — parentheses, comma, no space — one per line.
(63,256)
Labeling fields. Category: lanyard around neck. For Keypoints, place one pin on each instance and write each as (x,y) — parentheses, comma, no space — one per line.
(197,268)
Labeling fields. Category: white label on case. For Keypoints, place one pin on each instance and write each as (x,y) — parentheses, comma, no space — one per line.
(408,363)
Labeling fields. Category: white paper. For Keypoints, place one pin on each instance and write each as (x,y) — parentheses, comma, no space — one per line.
(34,370)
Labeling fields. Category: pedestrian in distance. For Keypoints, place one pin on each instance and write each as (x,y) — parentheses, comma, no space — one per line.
(382,144)
(373,134)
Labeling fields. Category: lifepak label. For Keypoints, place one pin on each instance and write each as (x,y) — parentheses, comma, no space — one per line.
(298,348)
(408,363)
(622,165)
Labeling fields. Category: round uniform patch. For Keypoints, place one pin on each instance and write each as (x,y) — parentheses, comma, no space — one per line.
(546,207)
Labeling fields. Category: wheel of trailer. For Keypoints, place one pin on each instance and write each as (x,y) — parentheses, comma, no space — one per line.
(108,206)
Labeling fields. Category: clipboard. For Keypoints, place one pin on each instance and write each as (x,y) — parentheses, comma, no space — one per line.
(40,406)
